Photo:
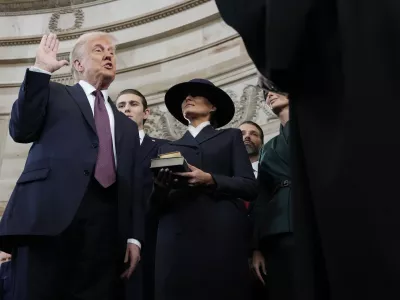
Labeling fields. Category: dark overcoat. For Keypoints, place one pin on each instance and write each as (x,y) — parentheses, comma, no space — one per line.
(272,211)
(339,61)
(203,234)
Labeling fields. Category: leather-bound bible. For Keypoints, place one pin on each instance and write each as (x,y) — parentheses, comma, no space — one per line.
(173,161)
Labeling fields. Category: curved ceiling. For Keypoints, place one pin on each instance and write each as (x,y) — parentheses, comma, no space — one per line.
(32,5)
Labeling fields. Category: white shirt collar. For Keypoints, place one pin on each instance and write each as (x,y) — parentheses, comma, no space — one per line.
(255,168)
(141,135)
(196,130)
(89,89)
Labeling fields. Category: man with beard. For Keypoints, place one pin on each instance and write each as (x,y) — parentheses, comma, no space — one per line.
(253,138)
(273,232)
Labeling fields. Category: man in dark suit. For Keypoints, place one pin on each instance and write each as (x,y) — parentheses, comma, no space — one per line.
(6,278)
(134,105)
(339,61)
(73,214)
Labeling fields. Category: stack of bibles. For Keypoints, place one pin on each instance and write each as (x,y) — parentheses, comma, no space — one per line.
(173,161)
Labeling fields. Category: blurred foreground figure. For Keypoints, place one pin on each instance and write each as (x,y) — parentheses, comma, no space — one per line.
(339,61)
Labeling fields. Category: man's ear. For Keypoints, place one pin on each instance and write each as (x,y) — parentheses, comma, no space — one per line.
(78,66)
(146,113)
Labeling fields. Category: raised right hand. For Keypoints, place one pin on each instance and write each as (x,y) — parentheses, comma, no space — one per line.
(46,54)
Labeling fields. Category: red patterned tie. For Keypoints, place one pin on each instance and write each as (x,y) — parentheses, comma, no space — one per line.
(105,165)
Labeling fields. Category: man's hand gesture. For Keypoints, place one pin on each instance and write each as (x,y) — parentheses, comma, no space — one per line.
(46,54)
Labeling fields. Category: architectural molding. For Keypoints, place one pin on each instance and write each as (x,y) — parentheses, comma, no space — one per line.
(55,18)
(112,27)
(66,78)
(130,44)
(44,7)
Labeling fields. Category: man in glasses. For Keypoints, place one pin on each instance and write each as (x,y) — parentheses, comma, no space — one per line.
(274,241)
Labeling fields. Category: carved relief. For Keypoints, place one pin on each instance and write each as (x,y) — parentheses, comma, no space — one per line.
(136,21)
(27,7)
(248,106)
(55,18)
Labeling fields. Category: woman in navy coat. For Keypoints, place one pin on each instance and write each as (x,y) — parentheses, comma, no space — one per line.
(203,234)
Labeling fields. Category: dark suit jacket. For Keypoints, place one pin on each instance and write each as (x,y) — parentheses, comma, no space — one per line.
(203,233)
(272,210)
(6,281)
(59,121)
(141,284)
(148,150)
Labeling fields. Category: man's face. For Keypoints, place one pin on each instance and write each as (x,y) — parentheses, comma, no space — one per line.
(131,105)
(98,64)
(251,138)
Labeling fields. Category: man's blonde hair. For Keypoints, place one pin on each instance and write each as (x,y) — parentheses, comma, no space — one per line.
(78,51)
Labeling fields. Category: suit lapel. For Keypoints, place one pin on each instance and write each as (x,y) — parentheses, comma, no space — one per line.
(80,98)
(186,140)
(207,133)
(147,145)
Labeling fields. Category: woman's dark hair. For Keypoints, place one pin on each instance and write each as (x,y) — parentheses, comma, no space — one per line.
(213,119)
(137,93)
(256,126)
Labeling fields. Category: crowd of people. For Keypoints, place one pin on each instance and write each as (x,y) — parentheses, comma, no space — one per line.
(88,218)
(311,215)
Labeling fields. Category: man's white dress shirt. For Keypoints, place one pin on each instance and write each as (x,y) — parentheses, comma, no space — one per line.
(141,135)
(255,168)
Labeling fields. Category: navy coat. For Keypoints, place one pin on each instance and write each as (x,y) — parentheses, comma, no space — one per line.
(203,233)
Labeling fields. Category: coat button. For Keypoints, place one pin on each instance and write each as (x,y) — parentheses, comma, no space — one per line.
(86,173)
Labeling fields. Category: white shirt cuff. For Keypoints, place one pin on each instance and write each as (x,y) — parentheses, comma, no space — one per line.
(135,242)
(35,69)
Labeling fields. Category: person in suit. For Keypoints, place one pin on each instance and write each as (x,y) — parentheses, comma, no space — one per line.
(73,216)
(253,138)
(133,104)
(340,67)
(274,240)
(6,278)
(203,237)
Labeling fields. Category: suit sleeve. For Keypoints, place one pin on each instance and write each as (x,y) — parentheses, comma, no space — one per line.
(137,192)
(29,110)
(242,183)
(158,195)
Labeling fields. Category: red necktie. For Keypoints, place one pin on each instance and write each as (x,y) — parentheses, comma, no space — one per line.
(105,164)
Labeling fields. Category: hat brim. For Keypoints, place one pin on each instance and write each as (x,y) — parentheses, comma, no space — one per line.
(220,99)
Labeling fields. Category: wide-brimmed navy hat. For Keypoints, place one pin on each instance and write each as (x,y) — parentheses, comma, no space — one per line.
(200,87)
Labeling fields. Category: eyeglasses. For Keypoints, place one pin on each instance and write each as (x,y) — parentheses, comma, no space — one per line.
(267,91)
